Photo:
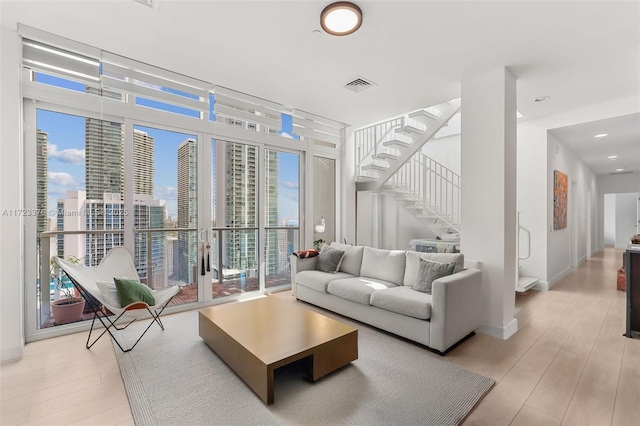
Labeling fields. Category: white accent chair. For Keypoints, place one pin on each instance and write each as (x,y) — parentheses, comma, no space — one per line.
(92,282)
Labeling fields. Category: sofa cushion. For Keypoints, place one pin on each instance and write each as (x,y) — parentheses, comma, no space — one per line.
(429,271)
(403,300)
(358,289)
(329,259)
(318,280)
(386,265)
(413,263)
(352,258)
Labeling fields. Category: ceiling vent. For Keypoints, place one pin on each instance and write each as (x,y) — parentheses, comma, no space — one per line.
(359,84)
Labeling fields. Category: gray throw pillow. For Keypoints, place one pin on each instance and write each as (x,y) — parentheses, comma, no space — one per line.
(429,271)
(329,259)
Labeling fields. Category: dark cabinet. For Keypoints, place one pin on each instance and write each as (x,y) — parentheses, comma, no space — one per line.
(632,261)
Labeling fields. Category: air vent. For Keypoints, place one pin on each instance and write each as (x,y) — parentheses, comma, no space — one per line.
(359,84)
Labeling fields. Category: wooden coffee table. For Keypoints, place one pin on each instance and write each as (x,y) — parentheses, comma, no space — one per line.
(258,336)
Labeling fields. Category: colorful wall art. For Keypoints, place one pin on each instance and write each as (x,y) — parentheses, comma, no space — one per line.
(560,192)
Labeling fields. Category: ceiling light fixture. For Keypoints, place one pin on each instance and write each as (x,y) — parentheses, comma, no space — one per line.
(341,18)
(542,99)
(619,170)
(601,135)
(612,157)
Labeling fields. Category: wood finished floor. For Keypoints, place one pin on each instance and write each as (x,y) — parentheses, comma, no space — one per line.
(567,364)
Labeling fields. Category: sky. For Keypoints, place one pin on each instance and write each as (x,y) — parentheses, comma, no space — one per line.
(66,150)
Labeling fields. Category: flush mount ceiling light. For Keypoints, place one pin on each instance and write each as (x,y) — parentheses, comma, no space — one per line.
(619,170)
(612,157)
(542,99)
(341,18)
(601,135)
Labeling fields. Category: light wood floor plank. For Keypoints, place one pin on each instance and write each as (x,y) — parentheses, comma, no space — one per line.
(588,407)
(528,416)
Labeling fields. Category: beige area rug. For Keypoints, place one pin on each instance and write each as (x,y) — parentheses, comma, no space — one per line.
(174,378)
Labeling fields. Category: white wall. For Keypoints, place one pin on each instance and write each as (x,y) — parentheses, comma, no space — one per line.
(384,223)
(613,184)
(535,194)
(610,219)
(11,190)
(445,150)
(559,241)
(626,218)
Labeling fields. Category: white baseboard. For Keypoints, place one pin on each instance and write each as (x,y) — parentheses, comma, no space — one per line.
(498,332)
(10,354)
(553,281)
(582,260)
(541,285)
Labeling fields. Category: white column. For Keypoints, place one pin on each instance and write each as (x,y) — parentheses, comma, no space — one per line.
(489,192)
(12,224)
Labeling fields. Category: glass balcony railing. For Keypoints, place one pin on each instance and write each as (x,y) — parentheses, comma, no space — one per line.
(178,256)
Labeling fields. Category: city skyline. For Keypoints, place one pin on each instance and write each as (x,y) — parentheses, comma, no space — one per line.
(66,152)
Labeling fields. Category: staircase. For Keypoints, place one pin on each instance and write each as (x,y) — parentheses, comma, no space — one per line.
(389,160)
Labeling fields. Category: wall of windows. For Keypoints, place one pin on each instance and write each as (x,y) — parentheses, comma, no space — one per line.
(118,145)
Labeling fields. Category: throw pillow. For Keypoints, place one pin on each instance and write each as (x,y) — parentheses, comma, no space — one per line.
(132,291)
(329,259)
(109,294)
(429,271)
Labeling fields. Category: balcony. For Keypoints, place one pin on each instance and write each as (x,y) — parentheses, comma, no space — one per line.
(178,256)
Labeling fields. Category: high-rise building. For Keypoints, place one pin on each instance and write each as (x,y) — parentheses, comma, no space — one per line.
(149,214)
(104,158)
(104,152)
(241,189)
(143,162)
(187,210)
(241,176)
(76,212)
(272,253)
(41,180)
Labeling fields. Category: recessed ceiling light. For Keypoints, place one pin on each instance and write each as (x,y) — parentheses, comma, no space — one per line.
(542,99)
(612,157)
(341,18)
(601,135)
(619,170)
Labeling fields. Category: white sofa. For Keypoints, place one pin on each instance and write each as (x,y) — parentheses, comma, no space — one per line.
(374,286)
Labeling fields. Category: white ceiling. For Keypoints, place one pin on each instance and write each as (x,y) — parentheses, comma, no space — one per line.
(622,140)
(417,52)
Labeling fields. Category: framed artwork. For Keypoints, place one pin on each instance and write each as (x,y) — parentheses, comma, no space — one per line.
(560,189)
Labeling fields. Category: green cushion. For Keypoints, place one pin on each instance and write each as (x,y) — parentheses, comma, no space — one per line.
(131,291)
(430,271)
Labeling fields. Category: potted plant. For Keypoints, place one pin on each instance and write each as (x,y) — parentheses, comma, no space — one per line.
(69,307)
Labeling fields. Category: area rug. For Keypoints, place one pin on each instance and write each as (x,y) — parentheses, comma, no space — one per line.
(173,378)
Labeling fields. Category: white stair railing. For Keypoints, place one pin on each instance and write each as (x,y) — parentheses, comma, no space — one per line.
(431,190)
(368,142)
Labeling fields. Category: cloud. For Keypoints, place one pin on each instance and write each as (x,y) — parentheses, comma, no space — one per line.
(70,155)
(286,135)
(61,178)
(165,193)
(294,197)
(291,185)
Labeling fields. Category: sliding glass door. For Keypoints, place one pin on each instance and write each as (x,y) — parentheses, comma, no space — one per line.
(235,217)
(282,212)
(255,203)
